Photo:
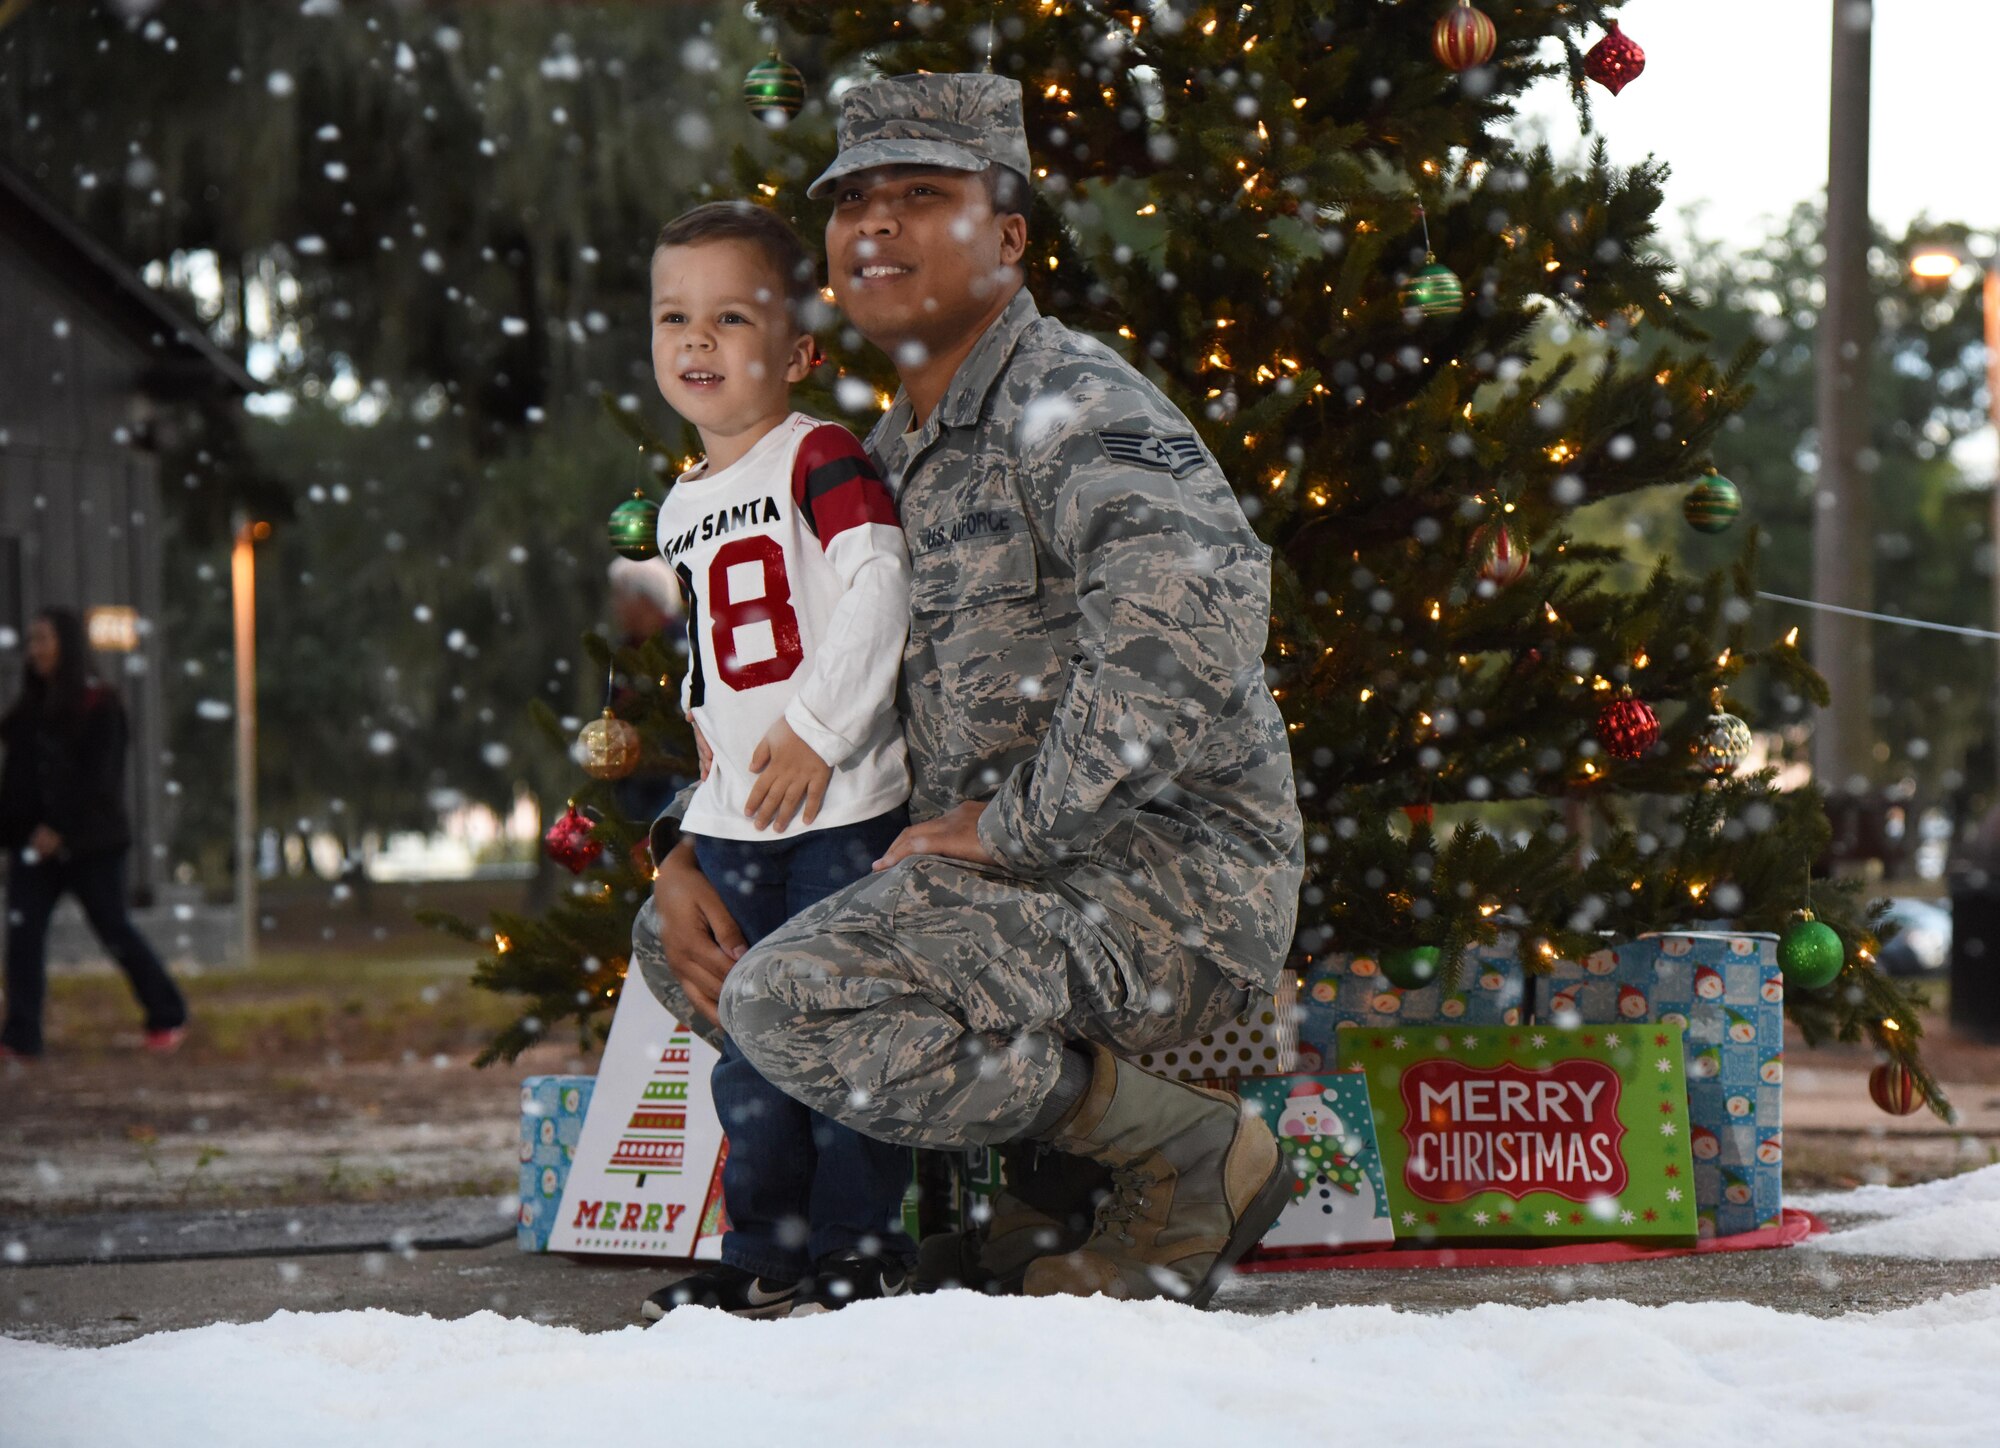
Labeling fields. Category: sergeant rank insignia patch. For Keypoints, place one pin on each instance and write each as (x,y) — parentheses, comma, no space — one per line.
(1177,455)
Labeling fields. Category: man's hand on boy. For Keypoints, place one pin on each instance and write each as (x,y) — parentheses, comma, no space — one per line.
(699,937)
(789,774)
(954,833)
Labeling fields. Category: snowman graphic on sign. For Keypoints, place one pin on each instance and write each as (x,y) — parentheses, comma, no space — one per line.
(1333,1199)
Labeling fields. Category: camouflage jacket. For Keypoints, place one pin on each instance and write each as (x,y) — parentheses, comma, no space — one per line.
(1089,609)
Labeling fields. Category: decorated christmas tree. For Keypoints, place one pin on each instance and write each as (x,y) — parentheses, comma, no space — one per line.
(1443,370)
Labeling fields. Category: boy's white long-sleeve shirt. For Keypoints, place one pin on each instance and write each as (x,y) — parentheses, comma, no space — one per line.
(798,590)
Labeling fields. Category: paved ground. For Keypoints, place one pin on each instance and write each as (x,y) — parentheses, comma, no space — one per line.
(326,1119)
(125,1132)
(90,1306)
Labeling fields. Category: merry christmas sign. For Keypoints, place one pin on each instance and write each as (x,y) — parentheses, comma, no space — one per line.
(646,1174)
(1491,1133)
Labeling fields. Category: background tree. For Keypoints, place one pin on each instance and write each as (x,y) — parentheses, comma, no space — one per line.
(428,227)
(430,224)
(1272,159)
(1932,692)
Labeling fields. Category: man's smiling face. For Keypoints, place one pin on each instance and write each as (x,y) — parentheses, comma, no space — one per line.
(918,257)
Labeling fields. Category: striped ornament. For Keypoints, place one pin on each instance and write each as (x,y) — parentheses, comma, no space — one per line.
(1895,1089)
(774,90)
(633,528)
(1501,560)
(1463,37)
(1434,291)
(1712,504)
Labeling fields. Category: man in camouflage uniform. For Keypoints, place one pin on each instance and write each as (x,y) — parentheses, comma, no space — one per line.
(1105,858)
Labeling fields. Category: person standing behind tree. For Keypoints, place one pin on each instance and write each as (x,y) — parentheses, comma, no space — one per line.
(64,827)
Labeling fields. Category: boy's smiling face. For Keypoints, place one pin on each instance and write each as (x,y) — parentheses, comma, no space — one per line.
(725,347)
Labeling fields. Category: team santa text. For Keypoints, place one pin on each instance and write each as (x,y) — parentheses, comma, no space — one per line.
(720,522)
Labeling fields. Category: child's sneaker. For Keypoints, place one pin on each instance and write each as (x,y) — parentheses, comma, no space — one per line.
(850,1276)
(735,1291)
(165,1043)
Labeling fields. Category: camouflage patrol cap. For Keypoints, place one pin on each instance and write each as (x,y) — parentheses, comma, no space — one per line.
(960,122)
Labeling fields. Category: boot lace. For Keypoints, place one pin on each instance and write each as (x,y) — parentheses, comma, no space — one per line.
(1126,1201)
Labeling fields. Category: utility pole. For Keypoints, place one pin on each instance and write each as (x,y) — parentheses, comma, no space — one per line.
(1843,531)
(1990,293)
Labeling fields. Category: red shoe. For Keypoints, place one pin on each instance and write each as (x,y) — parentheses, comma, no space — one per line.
(8,1053)
(165,1043)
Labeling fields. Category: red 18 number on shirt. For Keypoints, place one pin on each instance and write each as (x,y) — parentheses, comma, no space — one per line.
(774,607)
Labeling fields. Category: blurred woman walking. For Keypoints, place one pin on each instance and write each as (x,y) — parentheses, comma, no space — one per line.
(64,828)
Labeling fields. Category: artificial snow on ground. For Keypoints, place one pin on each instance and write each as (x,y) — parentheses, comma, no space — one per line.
(1956,1219)
(1019,1373)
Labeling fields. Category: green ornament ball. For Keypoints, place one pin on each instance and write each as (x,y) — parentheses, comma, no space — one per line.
(1712,504)
(1810,954)
(1435,291)
(633,527)
(774,90)
(1410,967)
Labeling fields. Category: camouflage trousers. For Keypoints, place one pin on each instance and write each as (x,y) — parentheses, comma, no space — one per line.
(929,1005)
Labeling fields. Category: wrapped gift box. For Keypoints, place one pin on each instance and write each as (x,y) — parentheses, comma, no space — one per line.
(950,1191)
(1327,1133)
(1263,1041)
(1350,990)
(552,1111)
(1503,1133)
(1726,993)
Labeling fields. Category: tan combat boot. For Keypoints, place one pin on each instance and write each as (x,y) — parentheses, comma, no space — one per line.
(1195,1182)
(1045,1208)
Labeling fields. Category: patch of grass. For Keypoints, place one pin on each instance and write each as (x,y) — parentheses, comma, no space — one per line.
(296,1006)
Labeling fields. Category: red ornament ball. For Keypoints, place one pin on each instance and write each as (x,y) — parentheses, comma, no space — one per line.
(1615,61)
(1627,728)
(1895,1088)
(1463,37)
(569,841)
(1419,814)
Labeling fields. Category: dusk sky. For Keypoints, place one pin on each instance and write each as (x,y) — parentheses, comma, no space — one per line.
(1735,96)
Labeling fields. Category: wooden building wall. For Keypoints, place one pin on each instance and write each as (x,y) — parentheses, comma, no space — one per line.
(79,511)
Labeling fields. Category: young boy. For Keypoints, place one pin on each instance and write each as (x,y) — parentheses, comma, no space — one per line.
(788,550)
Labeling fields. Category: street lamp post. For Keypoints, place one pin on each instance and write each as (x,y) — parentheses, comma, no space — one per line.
(243,580)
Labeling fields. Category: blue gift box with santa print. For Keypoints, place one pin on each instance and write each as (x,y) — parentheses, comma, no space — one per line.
(1727,994)
(552,1111)
(1342,990)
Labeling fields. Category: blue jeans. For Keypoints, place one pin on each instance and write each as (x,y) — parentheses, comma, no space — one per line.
(797,1184)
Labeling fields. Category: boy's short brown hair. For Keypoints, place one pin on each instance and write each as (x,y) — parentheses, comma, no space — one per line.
(764,229)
